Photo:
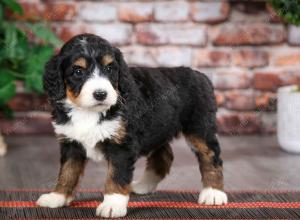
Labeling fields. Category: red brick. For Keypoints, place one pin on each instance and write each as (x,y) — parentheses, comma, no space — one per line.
(231,80)
(265,101)
(97,11)
(210,12)
(240,100)
(141,56)
(67,31)
(238,123)
(220,98)
(294,35)
(289,77)
(60,11)
(157,34)
(157,56)
(119,34)
(32,11)
(286,58)
(31,123)
(248,34)
(250,58)
(171,11)
(266,81)
(272,80)
(116,34)
(248,12)
(136,12)
(29,102)
(173,56)
(211,58)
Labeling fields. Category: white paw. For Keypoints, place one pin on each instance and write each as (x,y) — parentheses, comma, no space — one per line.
(113,206)
(53,200)
(210,196)
(146,184)
(140,187)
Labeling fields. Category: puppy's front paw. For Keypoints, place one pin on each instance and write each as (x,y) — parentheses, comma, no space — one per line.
(210,196)
(113,206)
(53,200)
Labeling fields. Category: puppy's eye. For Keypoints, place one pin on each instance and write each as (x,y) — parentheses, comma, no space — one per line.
(108,69)
(78,73)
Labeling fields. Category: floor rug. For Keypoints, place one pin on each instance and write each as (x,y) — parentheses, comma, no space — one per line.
(20,204)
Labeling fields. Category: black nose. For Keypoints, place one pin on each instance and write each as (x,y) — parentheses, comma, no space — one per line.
(100,95)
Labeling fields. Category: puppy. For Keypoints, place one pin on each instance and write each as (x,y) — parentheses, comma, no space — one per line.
(102,109)
(3,146)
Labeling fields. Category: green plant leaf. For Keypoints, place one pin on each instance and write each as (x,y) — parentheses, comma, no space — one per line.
(38,57)
(1,14)
(22,46)
(7,91)
(10,40)
(19,58)
(34,82)
(14,47)
(11,73)
(35,67)
(5,77)
(287,9)
(7,111)
(14,6)
(44,33)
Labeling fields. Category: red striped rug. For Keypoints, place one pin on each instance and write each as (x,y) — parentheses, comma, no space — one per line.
(20,204)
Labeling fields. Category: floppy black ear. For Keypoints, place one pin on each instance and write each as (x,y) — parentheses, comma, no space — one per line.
(123,80)
(53,80)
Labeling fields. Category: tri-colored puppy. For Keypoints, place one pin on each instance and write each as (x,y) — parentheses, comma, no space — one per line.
(103,109)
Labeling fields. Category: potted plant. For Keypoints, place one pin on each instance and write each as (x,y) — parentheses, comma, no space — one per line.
(288,10)
(288,105)
(288,127)
(21,59)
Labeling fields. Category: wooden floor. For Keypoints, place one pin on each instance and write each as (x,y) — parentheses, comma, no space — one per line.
(250,162)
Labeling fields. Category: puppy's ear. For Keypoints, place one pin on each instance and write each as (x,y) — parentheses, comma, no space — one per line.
(53,80)
(123,81)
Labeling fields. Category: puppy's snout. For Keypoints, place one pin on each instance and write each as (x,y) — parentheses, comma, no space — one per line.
(100,95)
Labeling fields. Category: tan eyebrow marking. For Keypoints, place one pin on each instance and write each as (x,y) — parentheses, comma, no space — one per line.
(81,62)
(106,59)
(71,95)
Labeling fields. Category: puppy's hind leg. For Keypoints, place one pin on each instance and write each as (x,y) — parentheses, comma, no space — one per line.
(208,154)
(158,166)
(3,146)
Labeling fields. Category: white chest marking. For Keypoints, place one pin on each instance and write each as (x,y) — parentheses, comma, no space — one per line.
(84,127)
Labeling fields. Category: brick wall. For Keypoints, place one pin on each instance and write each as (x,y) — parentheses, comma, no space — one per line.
(244,48)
